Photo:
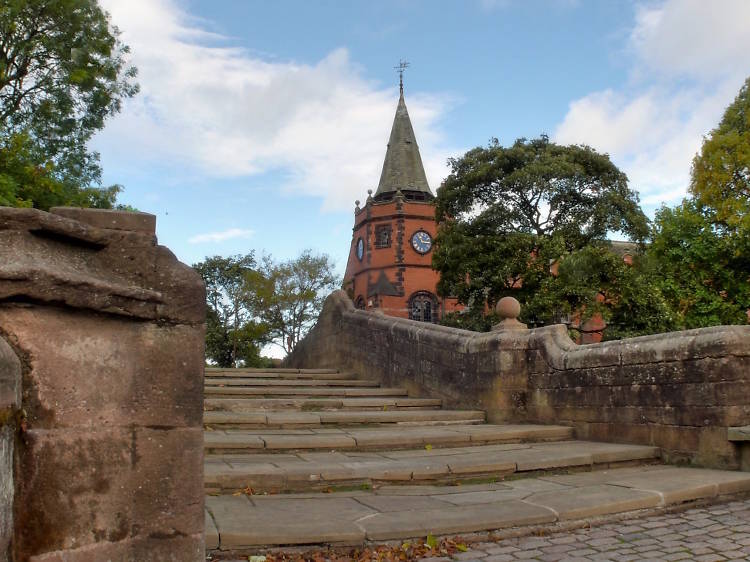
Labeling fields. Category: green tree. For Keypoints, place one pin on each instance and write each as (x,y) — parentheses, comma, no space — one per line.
(63,71)
(703,268)
(595,280)
(292,295)
(234,334)
(721,171)
(506,213)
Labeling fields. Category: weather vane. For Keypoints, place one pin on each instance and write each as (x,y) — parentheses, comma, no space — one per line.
(402,65)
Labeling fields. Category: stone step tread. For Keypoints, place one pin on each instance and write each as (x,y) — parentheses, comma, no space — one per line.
(280,370)
(310,471)
(211,381)
(381,403)
(265,418)
(229,375)
(268,520)
(381,437)
(304,391)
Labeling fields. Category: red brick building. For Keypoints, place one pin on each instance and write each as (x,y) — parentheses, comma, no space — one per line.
(390,257)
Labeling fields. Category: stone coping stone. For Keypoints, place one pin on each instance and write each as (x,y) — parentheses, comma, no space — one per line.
(739,433)
(398,512)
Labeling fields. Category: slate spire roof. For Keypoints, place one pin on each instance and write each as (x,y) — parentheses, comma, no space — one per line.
(402,168)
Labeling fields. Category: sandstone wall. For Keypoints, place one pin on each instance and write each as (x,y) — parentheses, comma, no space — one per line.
(108,327)
(680,391)
(10,400)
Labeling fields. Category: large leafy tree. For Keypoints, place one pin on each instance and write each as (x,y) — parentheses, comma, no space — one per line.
(702,267)
(721,171)
(63,71)
(506,213)
(293,293)
(234,334)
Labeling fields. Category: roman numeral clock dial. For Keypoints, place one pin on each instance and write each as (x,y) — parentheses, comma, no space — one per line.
(421,241)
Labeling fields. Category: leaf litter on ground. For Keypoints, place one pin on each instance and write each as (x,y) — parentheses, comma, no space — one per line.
(409,550)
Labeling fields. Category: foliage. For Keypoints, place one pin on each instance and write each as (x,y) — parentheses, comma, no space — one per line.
(703,267)
(234,336)
(473,318)
(292,294)
(721,171)
(27,179)
(597,281)
(62,73)
(506,213)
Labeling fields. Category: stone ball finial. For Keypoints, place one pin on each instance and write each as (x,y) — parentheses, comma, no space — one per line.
(369,192)
(508,309)
(357,202)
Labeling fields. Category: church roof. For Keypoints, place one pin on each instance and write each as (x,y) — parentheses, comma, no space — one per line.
(402,168)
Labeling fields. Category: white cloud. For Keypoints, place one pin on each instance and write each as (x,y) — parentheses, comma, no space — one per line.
(221,236)
(210,108)
(689,61)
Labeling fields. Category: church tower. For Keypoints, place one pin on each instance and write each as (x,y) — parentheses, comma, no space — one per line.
(389,266)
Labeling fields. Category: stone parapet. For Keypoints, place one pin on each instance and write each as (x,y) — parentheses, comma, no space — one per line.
(680,391)
(107,327)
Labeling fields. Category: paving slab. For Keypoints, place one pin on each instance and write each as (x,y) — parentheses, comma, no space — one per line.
(312,441)
(593,501)
(389,503)
(458,519)
(485,496)
(212,533)
(676,485)
(286,522)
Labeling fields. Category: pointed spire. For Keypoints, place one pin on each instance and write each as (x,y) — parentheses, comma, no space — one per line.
(402,168)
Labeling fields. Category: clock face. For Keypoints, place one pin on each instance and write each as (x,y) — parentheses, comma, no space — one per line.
(421,241)
(360,249)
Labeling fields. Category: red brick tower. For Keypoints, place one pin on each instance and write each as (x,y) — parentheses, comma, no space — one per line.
(389,266)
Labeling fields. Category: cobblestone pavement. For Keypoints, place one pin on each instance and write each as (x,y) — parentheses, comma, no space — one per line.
(720,532)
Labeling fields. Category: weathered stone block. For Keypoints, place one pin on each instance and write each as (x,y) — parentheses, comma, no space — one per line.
(109,218)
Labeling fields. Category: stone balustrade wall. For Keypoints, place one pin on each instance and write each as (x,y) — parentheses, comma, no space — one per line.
(104,331)
(679,391)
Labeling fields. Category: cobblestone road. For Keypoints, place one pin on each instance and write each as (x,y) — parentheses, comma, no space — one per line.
(720,532)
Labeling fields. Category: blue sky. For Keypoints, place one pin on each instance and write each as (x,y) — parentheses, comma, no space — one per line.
(259,123)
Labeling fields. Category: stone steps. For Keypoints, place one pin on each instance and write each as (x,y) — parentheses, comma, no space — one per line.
(317,457)
(310,471)
(292,419)
(252,382)
(291,374)
(373,439)
(303,391)
(249,522)
(320,404)
(274,372)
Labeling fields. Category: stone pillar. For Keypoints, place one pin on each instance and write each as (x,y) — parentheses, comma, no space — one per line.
(109,330)
(10,399)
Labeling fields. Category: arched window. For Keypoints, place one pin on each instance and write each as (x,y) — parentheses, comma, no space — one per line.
(360,303)
(423,307)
